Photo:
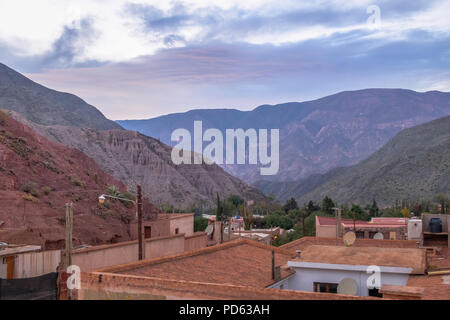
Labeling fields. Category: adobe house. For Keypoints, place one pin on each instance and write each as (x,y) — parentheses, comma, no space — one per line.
(167,224)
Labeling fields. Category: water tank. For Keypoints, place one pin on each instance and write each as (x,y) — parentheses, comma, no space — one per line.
(435,225)
(414,229)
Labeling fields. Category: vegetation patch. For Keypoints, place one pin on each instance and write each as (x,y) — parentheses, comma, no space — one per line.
(29,197)
(76,181)
(31,188)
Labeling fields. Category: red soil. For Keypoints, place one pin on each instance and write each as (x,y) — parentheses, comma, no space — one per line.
(55,174)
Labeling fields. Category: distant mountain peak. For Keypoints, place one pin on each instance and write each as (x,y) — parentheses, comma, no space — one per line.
(46,106)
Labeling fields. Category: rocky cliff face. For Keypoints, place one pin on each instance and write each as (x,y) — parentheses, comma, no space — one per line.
(37,178)
(134,158)
(315,136)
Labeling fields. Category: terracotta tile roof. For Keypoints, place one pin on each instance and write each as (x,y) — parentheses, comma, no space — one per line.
(387,257)
(405,291)
(118,286)
(240,262)
(305,242)
(435,287)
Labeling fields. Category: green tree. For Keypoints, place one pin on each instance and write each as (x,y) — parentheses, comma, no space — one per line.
(291,204)
(328,205)
(219,209)
(200,223)
(247,214)
(312,207)
(278,219)
(373,209)
(113,191)
(236,200)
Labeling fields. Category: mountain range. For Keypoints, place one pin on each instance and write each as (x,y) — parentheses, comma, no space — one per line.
(315,136)
(129,156)
(414,165)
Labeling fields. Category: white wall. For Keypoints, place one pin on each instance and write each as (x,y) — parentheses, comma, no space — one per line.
(304,279)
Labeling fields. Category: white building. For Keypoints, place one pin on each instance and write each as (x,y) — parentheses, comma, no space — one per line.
(324,268)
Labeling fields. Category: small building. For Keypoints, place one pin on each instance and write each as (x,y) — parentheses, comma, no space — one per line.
(14,258)
(167,224)
(390,228)
(324,268)
(431,237)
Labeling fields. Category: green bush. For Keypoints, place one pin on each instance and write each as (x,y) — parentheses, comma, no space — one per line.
(46,190)
(77,181)
(31,188)
(3,117)
(200,224)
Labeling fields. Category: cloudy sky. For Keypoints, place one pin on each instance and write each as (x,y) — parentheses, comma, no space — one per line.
(141,59)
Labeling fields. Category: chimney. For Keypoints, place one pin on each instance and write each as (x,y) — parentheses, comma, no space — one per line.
(299,253)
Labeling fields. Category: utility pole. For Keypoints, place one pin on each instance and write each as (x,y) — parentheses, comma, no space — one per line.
(69,228)
(140,223)
(338,223)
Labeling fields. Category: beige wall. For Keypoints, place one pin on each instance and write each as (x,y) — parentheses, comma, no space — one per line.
(326,231)
(161,247)
(196,241)
(159,228)
(184,223)
(109,255)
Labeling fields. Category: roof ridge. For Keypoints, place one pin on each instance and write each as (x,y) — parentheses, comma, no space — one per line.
(192,253)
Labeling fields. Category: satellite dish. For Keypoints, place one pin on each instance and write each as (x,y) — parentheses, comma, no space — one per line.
(378,236)
(209,230)
(349,238)
(348,286)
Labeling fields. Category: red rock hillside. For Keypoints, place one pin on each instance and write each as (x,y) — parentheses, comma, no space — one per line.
(37,178)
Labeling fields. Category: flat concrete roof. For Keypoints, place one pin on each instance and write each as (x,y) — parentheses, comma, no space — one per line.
(415,259)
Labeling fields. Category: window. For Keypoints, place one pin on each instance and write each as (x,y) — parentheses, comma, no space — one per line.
(177,231)
(147,232)
(325,287)
(375,293)
(372,234)
(359,234)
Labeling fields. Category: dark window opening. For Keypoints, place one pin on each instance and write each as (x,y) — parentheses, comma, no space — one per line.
(325,287)
(147,232)
(359,234)
(375,293)
(177,231)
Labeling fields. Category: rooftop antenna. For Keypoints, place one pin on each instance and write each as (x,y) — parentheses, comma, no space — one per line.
(349,238)
(378,236)
(348,286)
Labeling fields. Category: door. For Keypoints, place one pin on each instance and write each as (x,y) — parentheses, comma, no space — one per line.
(9,261)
